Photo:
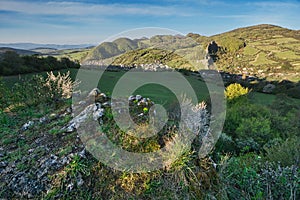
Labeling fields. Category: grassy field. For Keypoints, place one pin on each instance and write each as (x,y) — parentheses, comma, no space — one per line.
(78,55)
(287,55)
(249,50)
(262,59)
(157,93)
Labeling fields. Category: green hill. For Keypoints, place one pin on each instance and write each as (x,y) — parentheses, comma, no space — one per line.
(175,51)
(265,51)
(110,49)
(268,51)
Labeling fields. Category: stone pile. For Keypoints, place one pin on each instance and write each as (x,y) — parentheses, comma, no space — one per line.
(95,104)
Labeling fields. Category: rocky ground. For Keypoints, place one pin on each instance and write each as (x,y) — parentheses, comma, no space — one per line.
(47,152)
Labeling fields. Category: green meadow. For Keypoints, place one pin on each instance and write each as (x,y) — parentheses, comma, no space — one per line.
(156,92)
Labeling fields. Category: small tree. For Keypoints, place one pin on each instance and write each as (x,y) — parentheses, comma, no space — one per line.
(234,91)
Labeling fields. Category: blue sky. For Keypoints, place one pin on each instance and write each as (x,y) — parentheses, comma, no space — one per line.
(91,21)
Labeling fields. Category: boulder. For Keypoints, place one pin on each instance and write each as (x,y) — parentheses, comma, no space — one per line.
(94,92)
(269,88)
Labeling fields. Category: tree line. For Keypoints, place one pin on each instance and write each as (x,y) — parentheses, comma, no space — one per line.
(12,63)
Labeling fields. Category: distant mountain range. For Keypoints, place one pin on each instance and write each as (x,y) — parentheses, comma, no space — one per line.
(265,50)
(31,46)
(18,51)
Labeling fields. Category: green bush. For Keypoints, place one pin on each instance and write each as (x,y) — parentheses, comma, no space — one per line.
(248,177)
(240,179)
(251,126)
(286,153)
(279,182)
(4,95)
(294,92)
(257,128)
(246,145)
(231,44)
(225,144)
(237,113)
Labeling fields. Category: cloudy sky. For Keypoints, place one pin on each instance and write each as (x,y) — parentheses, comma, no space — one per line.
(92,21)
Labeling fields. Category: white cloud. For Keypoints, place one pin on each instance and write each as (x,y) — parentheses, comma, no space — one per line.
(275,4)
(78,8)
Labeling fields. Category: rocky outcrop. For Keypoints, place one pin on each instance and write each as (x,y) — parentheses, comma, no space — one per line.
(212,48)
(96,109)
(31,175)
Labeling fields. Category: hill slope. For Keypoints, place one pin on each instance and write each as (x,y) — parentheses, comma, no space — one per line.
(110,49)
(18,51)
(268,51)
(262,50)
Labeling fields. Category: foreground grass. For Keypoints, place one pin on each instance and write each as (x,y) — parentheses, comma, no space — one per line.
(260,144)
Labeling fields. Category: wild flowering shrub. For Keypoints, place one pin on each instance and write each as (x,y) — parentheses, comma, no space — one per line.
(39,90)
(234,91)
(60,86)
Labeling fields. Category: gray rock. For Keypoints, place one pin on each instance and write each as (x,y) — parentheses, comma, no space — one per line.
(43,119)
(131,98)
(81,103)
(79,180)
(53,116)
(69,110)
(269,88)
(138,97)
(27,125)
(81,118)
(70,186)
(212,48)
(106,104)
(82,153)
(30,150)
(98,114)
(3,164)
(94,92)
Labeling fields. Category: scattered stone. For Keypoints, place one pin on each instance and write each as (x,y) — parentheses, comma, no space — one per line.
(98,114)
(81,118)
(3,164)
(79,180)
(30,150)
(101,98)
(131,98)
(94,92)
(138,97)
(70,187)
(106,104)
(269,88)
(43,119)
(82,154)
(53,116)
(81,103)
(27,125)
(1,152)
(69,110)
